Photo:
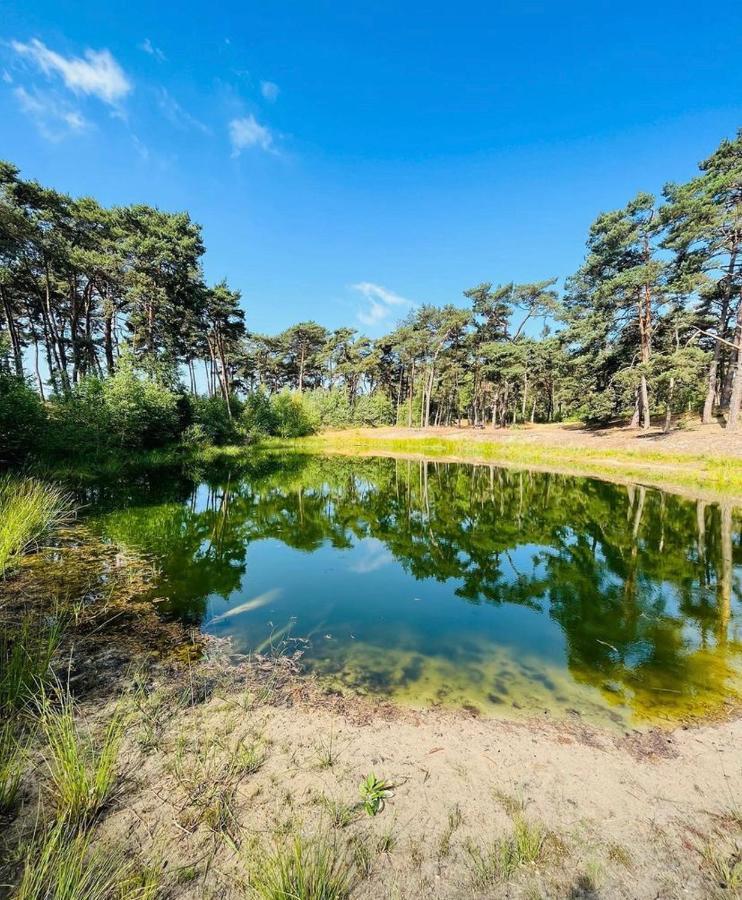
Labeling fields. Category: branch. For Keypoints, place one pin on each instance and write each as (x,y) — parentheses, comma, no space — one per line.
(716,337)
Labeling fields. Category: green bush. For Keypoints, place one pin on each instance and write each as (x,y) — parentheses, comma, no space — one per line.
(212,416)
(258,416)
(292,417)
(373,409)
(22,419)
(328,409)
(122,411)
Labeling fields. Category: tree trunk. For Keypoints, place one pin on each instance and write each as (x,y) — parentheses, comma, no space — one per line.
(736,395)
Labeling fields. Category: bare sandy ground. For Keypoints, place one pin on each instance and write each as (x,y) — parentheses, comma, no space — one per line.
(697,439)
(624,815)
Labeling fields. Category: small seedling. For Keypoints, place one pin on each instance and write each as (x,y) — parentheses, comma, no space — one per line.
(374,792)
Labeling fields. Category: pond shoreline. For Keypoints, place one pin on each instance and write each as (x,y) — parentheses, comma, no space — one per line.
(632,814)
(699,463)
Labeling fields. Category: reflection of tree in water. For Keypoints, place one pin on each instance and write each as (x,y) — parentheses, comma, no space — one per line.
(641,582)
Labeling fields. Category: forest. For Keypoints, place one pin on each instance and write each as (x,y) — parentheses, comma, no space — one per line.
(110,335)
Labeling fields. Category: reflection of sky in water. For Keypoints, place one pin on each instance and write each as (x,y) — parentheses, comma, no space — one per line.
(473,586)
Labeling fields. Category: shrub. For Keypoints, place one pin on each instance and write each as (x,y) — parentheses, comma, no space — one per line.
(212,416)
(258,416)
(328,409)
(22,418)
(373,409)
(142,413)
(292,417)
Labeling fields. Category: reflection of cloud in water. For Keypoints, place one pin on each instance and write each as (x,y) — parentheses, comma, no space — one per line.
(248,605)
(374,554)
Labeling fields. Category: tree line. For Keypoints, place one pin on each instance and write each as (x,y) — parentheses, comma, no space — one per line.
(649,325)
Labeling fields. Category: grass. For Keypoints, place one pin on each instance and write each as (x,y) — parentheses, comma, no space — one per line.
(82,771)
(499,862)
(724,867)
(60,867)
(711,472)
(25,661)
(13,754)
(313,869)
(28,509)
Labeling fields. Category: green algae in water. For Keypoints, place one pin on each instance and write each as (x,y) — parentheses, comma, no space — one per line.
(440,583)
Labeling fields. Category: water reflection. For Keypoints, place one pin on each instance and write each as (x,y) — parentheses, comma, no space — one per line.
(453,583)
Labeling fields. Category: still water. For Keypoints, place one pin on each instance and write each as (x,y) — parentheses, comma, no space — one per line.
(439,583)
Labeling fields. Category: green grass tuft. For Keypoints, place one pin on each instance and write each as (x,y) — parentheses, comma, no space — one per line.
(60,867)
(82,771)
(28,509)
(305,870)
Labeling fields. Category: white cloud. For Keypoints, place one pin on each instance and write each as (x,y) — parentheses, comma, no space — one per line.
(148,47)
(176,115)
(53,119)
(97,75)
(381,302)
(248,132)
(269,90)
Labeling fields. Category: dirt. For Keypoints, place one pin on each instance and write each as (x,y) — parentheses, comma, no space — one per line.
(695,439)
(625,816)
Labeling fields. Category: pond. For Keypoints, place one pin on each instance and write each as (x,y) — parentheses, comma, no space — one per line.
(497,590)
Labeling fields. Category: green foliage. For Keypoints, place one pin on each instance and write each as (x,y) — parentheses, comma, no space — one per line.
(26,654)
(22,419)
(63,867)
(29,508)
(82,770)
(258,416)
(13,756)
(374,792)
(291,415)
(499,861)
(328,408)
(212,419)
(308,869)
(373,409)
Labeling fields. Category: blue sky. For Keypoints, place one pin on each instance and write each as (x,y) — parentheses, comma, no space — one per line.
(348,159)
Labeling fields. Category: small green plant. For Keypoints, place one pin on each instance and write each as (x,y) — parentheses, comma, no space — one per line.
(82,770)
(305,870)
(374,792)
(327,752)
(341,814)
(249,758)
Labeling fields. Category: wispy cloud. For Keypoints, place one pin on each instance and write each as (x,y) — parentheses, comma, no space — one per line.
(97,74)
(270,91)
(247,132)
(51,116)
(176,115)
(381,302)
(148,47)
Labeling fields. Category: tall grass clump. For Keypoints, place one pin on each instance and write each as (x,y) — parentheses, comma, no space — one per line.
(26,653)
(63,867)
(82,770)
(28,509)
(499,862)
(307,869)
(13,753)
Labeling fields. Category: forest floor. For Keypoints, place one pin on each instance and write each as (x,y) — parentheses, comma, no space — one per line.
(705,461)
